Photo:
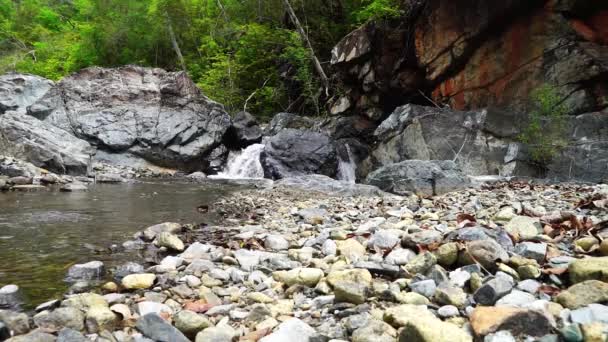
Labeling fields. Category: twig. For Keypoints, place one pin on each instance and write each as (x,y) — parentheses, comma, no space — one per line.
(253,94)
(429,99)
(466,136)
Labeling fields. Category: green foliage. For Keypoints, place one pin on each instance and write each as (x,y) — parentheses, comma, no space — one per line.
(239,52)
(378,9)
(545,129)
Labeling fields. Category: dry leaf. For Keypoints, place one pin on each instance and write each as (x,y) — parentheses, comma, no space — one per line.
(198,306)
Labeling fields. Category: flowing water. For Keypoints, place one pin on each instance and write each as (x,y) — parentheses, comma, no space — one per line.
(43,233)
(347,168)
(244,164)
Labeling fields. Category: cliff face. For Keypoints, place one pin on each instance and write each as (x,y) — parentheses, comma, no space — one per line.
(472,54)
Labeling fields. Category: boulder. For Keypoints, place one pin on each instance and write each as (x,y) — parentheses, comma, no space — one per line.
(425,177)
(583,294)
(157,115)
(10,297)
(89,271)
(294,152)
(18,91)
(328,185)
(245,130)
(283,121)
(156,328)
(44,145)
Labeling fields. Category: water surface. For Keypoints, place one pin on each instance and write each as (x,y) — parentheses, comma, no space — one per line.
(42,234)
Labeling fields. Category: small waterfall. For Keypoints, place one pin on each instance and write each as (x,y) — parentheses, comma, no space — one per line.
(347,169)
(244,164)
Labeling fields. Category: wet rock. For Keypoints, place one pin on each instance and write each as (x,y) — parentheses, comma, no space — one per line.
(293,330)
(583,294)
(108,178)
(351,285)
(524,227)
(589,269)
(156,328)
(170,227)
(327,185)
(245,129)
(5,333)
(30,188)
(73,187)
(171,241)
(89,271)
(282,121)
(486,320)
(425,177)
(10,297)
(138,281)
(295,152)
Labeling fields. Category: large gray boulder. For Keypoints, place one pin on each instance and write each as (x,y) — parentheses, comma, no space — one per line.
(17,91)
(294,152)
(43,144)
(157,115)
(245,130)
(283,121)
(478,141)
(424,177)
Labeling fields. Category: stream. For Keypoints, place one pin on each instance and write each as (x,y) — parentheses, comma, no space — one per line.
(43,233)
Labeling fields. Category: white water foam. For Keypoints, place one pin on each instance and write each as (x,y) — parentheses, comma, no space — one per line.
(244,164)
(347,169)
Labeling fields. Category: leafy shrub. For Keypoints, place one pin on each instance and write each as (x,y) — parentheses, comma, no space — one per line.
(377,9)
(545,128)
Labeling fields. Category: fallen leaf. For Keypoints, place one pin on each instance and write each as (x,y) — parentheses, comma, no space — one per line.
(555,270)
(549,290)
(255,336)
(198,306)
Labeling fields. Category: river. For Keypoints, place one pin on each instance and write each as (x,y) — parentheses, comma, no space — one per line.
(42,234)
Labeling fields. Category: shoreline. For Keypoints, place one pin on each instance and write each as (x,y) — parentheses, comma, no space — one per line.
(346,267)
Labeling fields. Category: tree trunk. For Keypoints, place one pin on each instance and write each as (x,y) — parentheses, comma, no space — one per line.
(178,51)
(313,56)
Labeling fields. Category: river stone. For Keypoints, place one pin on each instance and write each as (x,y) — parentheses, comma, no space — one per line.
(350,285)
(449,295)
(302,276)
(524,227)
(89,271)
(70,335)
(156,328)
(10,297)
(73,187)
(492,290)
(532,250)
(421,263)
(147,307)
(384,239)
(517,299)
(170,227)
(434,330)
(245,129)
(171,241)
(447,254)
(400,315)
(411,298)
(84,301)
(486,252)
(33,336)
(486,320)
(292,330)
(350,248)
(594,268)
(426,287)
(375,331)
(276,243)
(126,269)
(138,281)
(17,322)
(583,294)
(60,318)
(100,318)
(190,323)
(400,256)
(216,334)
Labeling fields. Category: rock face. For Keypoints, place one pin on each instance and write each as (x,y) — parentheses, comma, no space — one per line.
(43,144)
(478,54)
(17,91)
(295,152)
(159,116)
(426,177)
(245,130)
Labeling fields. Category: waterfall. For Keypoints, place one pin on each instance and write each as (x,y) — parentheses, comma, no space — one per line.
(244,164)
(347,167)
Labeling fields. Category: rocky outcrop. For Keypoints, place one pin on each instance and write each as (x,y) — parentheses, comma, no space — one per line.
(294,152)
(421,177)
(43,144)
(288,120)
(485,142)
(477,54)
(17,91)
(245,130)
(157,115)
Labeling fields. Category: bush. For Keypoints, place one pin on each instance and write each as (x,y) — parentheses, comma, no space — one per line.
(378,9)
(545,129)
